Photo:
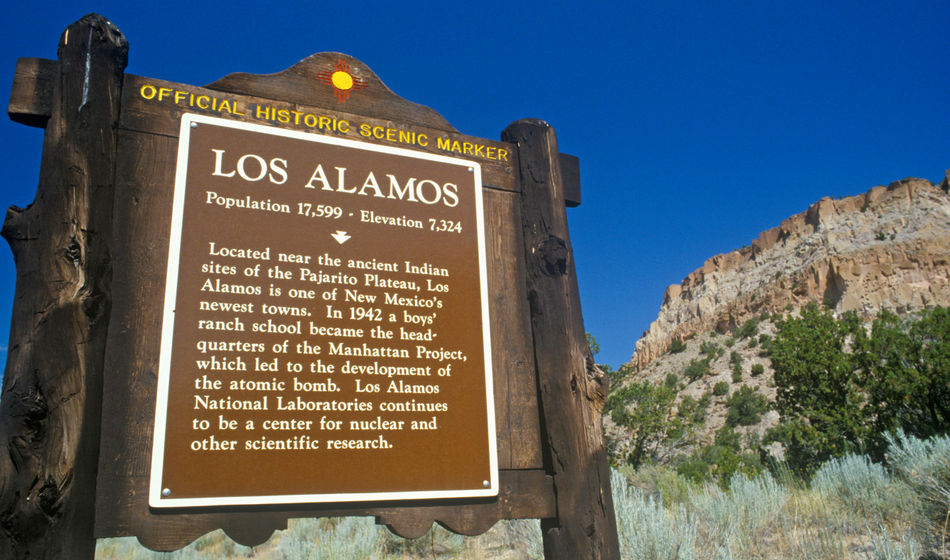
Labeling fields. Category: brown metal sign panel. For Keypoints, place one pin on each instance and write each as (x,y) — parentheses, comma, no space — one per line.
(325,334)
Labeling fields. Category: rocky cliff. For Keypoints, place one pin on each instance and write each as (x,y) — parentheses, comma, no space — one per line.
(888,248)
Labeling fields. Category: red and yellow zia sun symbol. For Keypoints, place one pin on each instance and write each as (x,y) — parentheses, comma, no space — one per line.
(341,80)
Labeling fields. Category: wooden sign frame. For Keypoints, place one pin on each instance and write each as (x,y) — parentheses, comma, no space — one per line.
(79,388)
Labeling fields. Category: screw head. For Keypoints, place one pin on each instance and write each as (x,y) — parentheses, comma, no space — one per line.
(167,492)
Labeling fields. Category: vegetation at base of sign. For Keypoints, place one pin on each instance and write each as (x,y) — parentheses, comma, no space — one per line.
(348,538)
(851,508)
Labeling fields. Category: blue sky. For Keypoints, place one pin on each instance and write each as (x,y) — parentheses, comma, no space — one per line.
(697,124)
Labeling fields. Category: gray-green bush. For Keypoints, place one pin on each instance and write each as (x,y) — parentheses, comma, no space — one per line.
(647,531)
(858,483)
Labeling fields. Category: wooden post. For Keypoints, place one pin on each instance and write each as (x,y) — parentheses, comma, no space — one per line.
(50,408)
(571,388)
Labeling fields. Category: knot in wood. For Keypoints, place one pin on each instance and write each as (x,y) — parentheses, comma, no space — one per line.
(551,255)
(32,410)
(73,251)
(51,497)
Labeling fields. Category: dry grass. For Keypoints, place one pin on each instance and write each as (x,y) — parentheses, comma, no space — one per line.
(851,510)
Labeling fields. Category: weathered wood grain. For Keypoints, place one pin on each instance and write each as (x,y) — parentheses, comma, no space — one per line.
(571,388)
(516,396)
(301,84)
(31,98)
(49,412)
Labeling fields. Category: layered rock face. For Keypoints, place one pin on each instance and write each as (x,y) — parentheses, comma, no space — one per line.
(888,248)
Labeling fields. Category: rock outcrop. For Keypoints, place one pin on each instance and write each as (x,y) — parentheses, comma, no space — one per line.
(888,248)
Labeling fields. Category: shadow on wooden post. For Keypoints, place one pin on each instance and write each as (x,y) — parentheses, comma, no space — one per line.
(50,409)
(571,388)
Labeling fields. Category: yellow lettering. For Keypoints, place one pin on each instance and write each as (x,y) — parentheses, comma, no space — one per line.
(502,154)
(163,93)
(364,129)
(203,98)
(343,126)
(147,91)
(443,144)
(179,95)
(422,139)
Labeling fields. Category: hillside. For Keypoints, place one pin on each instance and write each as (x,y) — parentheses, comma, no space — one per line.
(888,248)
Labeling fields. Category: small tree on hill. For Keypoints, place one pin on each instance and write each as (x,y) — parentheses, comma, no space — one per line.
(907,370)
(819,391)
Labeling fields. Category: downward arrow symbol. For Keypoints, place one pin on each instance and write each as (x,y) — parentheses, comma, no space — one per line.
(340,236)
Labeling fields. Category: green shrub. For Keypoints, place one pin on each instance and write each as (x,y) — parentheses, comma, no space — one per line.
(696,369)
(693,469)
(840,388)
(746,407)
(592,344)
(757,370)
(720,389)
(677,346)
(748,329)
(735,358)
(616,376)
(671,380)
(646,411)
(693,411)
(710,349)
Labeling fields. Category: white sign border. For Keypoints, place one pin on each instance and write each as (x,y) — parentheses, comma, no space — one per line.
(155,497)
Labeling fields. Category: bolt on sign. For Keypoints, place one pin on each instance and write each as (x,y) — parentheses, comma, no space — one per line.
(325,323)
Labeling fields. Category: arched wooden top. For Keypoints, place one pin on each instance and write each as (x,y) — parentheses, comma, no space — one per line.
(357,89)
